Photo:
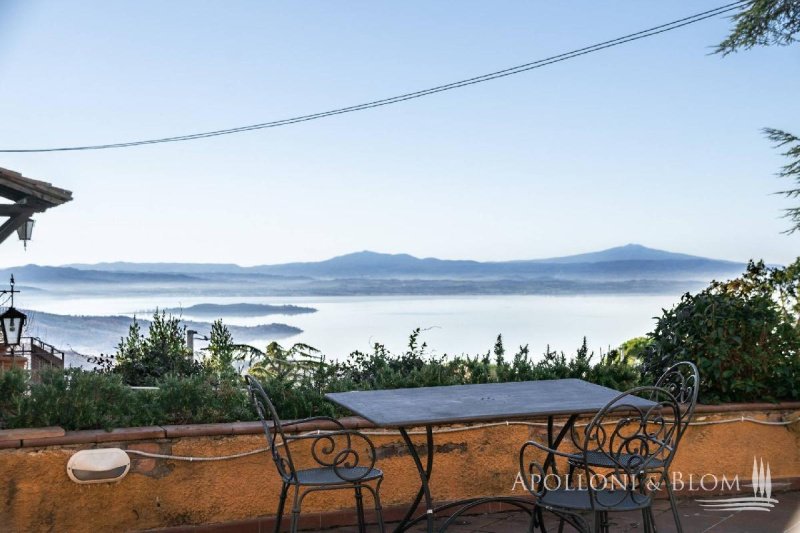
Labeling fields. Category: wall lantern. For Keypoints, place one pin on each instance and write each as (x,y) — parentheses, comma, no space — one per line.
(12,321)
(25,232)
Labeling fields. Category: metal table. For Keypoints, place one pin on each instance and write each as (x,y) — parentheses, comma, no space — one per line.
(435,406)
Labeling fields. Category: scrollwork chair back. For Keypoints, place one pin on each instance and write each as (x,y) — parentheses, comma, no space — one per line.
(630,443)
(682,380)
(276,438)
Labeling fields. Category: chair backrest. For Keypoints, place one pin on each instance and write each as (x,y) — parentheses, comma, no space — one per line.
(682,380)
(632,443)
(276,439)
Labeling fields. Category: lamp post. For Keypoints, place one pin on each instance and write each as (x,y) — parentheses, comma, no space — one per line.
(12,321)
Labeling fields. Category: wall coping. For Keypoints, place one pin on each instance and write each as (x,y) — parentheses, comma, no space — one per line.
(56,436)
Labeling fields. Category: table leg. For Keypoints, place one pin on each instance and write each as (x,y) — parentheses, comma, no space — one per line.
(553,442)
(408,521)
(424,476)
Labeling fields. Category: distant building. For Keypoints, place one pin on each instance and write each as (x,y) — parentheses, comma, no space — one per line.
(32,354)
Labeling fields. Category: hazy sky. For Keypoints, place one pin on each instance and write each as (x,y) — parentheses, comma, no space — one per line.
(655,142)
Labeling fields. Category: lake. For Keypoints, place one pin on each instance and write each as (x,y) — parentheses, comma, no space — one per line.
(457,324)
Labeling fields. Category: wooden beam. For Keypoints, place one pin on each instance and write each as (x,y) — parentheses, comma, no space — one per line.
(15,222)
(10,210)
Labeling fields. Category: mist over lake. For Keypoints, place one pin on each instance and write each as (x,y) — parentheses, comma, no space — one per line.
(454,324)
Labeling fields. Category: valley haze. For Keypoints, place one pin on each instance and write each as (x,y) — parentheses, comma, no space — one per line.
(628,270)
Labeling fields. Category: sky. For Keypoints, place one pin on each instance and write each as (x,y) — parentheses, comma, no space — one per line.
(655,142)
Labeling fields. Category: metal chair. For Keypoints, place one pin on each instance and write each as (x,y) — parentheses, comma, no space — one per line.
(621,456)
(341,464)
(682,381)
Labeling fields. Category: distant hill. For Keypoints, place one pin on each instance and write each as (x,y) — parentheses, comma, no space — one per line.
(34,274)
(182,268)
(629,252)
(632,261)
(243,309)
(378,273)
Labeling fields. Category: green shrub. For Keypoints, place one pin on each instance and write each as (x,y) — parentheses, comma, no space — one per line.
(201,400)
(742,334)
(76,399)
(143,360)
(13,384)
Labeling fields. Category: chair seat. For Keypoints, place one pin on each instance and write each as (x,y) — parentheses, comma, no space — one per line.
(605,500)
(603,460)
(328,476)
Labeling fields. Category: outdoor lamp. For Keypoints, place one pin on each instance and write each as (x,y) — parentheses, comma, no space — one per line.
(25,231)
(98,466)
(12,322)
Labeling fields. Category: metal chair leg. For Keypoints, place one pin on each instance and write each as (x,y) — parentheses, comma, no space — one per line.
(673,504)
(376,498)
(532,522)
(540,519)
(601,522)
(281,505)
(296,510)
(362,528)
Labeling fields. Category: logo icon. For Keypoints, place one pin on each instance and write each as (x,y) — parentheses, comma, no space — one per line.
(761,500)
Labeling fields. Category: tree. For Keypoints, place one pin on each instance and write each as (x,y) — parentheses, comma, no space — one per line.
(768,23)
(144,360)
(283,364)
(221,350)
(763,23)
(790,170)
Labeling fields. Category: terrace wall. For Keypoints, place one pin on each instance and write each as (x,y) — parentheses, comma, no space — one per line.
(37,495)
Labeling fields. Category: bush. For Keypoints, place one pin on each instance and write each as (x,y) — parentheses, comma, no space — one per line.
(742,334)
(78,399)
(201,400)
(13,384)
(143,360)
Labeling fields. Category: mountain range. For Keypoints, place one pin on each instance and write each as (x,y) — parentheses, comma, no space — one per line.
(631,259)
(629,268)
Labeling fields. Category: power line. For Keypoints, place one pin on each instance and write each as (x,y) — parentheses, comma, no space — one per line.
(650,32)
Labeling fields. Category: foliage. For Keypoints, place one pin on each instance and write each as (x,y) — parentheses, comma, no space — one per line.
(766,23)
(200,400)
(743,334)
(143,360)
(763,23)
(221,352)
(282,364)
(791,170)
(78,399)
(416,368)
(633,350)
(13,383)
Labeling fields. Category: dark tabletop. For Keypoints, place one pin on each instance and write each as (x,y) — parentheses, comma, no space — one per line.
(473,403)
